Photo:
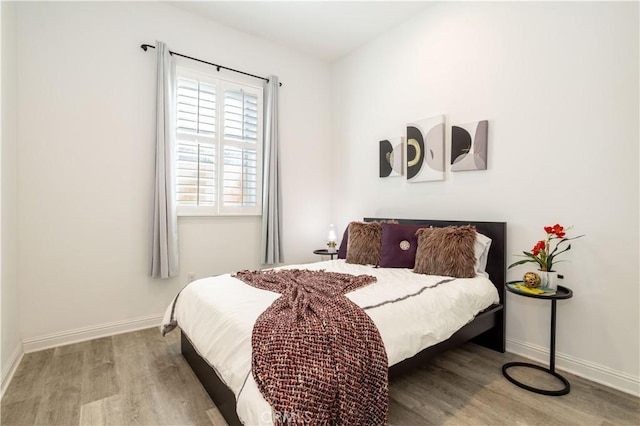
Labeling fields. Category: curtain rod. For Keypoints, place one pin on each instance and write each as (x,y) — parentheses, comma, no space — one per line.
(146,46)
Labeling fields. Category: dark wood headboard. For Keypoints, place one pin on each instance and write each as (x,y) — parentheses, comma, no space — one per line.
(493,337)
(497,231)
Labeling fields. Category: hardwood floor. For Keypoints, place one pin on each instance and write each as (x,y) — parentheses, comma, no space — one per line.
(140,378)
(466,386)
(136,378)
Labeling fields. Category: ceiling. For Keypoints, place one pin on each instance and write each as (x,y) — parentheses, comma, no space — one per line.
(327,30)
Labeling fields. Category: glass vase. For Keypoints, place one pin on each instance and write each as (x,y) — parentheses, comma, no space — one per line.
(548,279)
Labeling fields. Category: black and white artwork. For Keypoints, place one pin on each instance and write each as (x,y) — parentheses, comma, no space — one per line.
(425,150)
(469,146)
(392,157)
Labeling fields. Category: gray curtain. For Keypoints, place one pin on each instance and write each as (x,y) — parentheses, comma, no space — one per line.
(164,240)
(271,198)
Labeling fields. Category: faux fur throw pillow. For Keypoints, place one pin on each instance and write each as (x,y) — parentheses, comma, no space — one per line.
(365,241)
(446,251)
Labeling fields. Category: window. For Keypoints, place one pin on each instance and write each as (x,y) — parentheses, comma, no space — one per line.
(219,146)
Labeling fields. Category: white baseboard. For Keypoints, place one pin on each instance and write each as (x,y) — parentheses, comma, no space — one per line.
(10,369)
(34,344)
(589,370)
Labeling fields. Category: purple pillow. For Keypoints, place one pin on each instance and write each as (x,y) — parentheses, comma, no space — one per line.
(342,251)
(399,245)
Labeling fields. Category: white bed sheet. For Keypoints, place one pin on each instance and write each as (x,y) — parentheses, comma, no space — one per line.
(411,311)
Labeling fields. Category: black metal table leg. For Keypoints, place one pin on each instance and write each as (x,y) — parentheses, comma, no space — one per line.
(565,390)
(563,293)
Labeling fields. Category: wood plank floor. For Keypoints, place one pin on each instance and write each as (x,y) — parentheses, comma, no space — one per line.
(140,378)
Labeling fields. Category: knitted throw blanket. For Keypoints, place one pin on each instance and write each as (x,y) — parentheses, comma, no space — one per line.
(317,357)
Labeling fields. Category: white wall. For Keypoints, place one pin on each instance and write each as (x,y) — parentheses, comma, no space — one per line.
(85,115)
(558,83)
(10,349)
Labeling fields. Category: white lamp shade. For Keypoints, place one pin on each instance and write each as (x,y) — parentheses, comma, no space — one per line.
(331,239)
(331,236)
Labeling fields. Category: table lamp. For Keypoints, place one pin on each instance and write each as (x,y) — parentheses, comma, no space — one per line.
(331,239)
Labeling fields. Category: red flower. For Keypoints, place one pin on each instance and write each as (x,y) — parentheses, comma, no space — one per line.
(539,246)
(543,253)
(557,230)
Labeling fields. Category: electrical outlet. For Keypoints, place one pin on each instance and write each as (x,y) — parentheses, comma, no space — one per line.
(191,276)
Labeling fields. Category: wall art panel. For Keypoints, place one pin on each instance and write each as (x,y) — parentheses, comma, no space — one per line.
(425,150)
(392,157)
(469,146)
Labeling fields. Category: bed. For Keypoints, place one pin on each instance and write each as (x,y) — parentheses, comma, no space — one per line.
(486,326)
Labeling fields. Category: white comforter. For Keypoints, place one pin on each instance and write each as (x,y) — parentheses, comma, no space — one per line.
(411,311)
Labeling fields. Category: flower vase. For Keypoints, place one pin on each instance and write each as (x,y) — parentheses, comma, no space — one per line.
(548,279)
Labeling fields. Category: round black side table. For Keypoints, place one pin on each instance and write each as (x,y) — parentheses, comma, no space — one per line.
(561,293)
(325,252)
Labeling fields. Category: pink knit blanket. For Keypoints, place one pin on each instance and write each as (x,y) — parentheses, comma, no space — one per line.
(317,357)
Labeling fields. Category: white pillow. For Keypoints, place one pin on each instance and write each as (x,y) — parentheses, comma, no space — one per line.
(481,250)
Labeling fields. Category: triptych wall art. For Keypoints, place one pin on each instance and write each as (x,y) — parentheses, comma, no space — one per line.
(424,156)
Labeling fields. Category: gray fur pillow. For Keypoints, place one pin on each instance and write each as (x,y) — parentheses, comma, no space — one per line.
(446,251)
(365,242)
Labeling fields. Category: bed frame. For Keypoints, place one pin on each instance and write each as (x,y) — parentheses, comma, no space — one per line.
(486,329)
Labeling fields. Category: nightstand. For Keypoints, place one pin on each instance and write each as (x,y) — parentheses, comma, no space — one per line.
(561,293)
(325,252)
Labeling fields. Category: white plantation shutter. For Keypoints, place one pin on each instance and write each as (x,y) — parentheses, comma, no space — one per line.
(241,149)
(240,115)
(240,177)
(219,146)
(196,143)
(196,107)
(196,175)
